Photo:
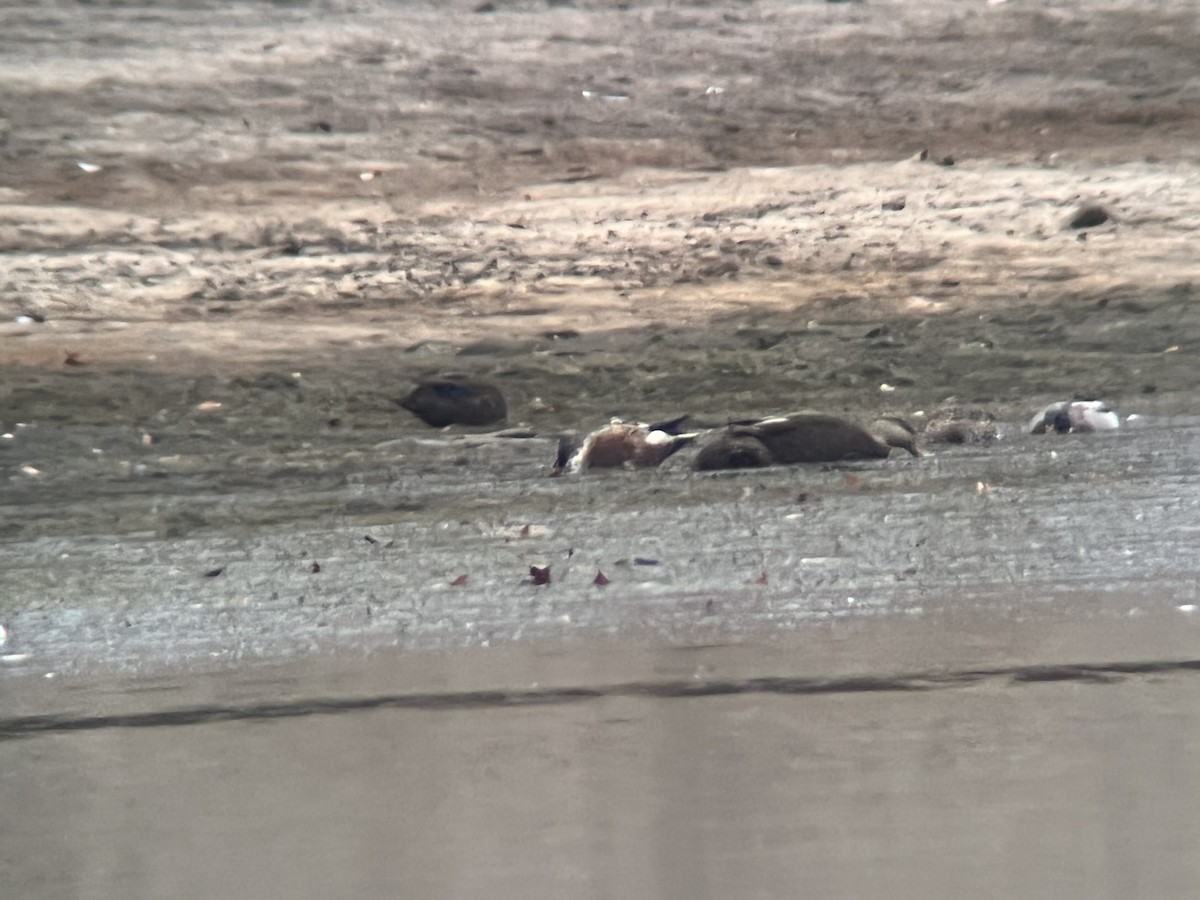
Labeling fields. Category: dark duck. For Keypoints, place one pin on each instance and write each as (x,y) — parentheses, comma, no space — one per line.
(455,399)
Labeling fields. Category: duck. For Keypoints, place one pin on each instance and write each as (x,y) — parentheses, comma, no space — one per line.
(804,438)
(952,423)
(733,449)
(622,444)
(1075,417)
(455,399)
(896,431)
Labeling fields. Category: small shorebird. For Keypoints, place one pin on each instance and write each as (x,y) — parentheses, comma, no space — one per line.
(455,399)
(1075,417)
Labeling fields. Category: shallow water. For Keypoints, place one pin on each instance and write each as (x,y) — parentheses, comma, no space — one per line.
(852,760)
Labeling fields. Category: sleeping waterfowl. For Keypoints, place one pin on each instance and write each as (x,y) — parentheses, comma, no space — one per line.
(455,399)
(803,438)
(1075,417)
(622,444)
(954,424)
(896,431)
(733,450)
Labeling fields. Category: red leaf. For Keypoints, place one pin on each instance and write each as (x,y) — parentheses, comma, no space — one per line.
(599,580)
(460,581)
(761,579)
(315,568)
(525,531)
(540,574)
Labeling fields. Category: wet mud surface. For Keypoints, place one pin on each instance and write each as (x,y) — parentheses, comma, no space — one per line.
(888,760)
(214,557)
(235,234)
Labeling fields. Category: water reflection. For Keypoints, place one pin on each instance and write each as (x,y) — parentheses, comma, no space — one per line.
(1035,781)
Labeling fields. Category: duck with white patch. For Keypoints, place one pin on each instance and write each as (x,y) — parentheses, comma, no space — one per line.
(622,444)
(1075,417)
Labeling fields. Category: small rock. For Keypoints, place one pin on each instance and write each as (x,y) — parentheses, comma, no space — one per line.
(1089,217)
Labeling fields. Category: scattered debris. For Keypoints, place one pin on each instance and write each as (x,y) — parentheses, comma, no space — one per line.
(540,574)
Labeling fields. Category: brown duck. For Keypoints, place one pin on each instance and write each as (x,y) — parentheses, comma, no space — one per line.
(621,444)
(804,438)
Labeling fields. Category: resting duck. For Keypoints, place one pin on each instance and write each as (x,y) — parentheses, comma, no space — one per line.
(455,399)
(954,424)
(804,438)
(621,444)
(1075,417)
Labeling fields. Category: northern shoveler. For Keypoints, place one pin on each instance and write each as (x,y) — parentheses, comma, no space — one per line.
(621,444)
(455,399)
(1075,417)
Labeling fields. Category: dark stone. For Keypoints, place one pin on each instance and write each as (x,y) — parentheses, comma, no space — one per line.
(1089,217)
